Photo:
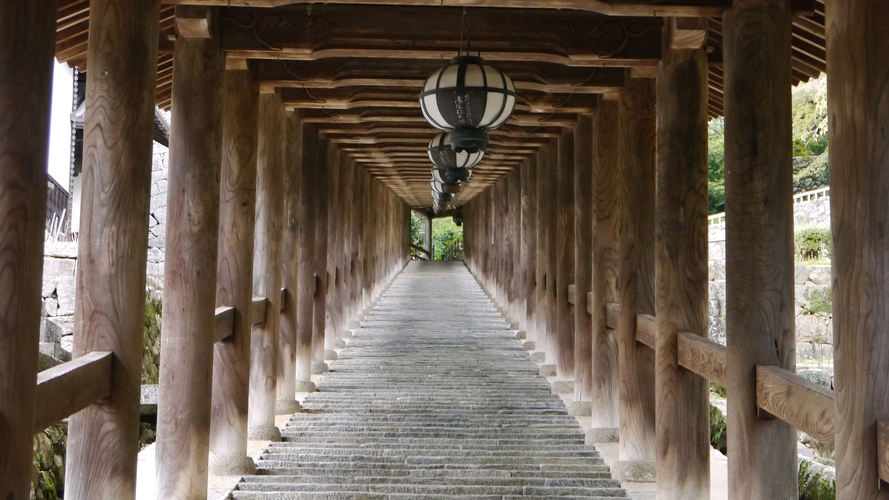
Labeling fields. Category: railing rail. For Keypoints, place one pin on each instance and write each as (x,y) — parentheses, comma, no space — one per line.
(717,219)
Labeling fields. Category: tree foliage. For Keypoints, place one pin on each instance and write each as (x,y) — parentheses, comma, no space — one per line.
(444,235)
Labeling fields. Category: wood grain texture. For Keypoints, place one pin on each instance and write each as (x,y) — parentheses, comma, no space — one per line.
(515,270)
(583,257)
(26,41)
(682,396)
(859,150)
(647,330)
(183,435)
(529,245)
(637,144)
(306,220)
(234,269)
(334,232)
(223,323)
(267,256)
(759,242)
(552,252)
(113,241)
(290,260)
(543,233)
(70,387)
(605,265)
(803,404)
(702,356)
(328,170)
(883,452)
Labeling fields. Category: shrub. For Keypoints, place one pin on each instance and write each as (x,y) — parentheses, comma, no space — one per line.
(813,243)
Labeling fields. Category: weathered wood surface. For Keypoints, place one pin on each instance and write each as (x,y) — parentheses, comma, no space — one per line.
(529,245)
(543,234)
(334,235)
(622,8)
(612,314)
(646,330)
(328,168)
(859,179)
(515,272)
(306,218)
(803,404)
(636,273)
(883,453)
(583,258)
(71,387)
(759,242)
(113,240)
(552,252)
(290,263)
(267,267)
(184,390)
(605,266)
(223,323)
(702,356)
(234,269)
(26,41)
(682,397)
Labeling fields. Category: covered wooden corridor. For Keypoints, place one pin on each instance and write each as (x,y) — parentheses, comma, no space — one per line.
(298,149)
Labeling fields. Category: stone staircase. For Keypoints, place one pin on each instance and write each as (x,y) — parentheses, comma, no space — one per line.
(432,399)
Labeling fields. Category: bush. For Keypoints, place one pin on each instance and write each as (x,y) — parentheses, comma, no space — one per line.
(815,483)
(812,243)
(718,434)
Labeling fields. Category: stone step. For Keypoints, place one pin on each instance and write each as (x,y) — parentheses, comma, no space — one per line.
(451,490)
(465,480)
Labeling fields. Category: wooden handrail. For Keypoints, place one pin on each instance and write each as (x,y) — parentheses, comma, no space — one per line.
(612,314)
(646,329)
(883,453)
(801,403)
(224,325)
(703,356)
(422,250)
(258,309)
(572,294)
(70,387)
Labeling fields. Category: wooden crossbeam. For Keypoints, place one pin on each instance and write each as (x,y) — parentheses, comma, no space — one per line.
(224,323)
(70,387)
(702,356)
(797,401)
(646,329)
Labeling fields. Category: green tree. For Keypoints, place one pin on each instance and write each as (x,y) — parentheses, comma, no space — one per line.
(416,229)
(716,165)
(445,234)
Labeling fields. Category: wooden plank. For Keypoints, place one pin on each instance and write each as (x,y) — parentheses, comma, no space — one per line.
(605,397)
(572,294)
(646,330)
(883,453)
(112,252)
(636,276)
(190,270)
(26,41)
(860,246)
(683,408)
(267,269)
(193,22)
(702,356)
(612,315)
(760,269)
(803,404)
(70,387)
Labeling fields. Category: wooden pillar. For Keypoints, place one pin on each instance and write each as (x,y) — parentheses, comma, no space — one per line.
(529,246)
(516,271)
(682,397)
(328,167)
(583,256)
(306,219)
(285,402)
(565,255)
(334,231)
(637,192)
(859,176)
(267,268)
(113,242)
(427,240)
(543,234)
(183,420)
(234,274)
(26,41)
(605,390)
(759,266)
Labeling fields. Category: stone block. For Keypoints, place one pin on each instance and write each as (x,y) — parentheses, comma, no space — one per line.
(580,409)
(521,335)
(538,357)
(51,306)
(717,329)
(636,471)
(66,291)
(818,376)
(155,255)
(50,332)
(563,387)
(547,370)
(60,249)
(602,435)
(814,328)
(716,250)
(717,270)
(820,275)
(800,274)
(529,345)
(55,266)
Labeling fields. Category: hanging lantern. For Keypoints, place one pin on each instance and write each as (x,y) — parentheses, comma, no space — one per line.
(440,187)
(458,219)
(442,197)
(451,175)
(444,156)
(467,98)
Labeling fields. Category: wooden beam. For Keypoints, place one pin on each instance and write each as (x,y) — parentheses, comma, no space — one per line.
(26,41)
(702,356)
(702,8)
(193,22)
(803,404)
(760,270)
(116,181)
(572,38)
(70,387)
(646,330)
(190,270)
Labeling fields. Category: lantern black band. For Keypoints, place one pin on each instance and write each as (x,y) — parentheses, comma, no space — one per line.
(470,140)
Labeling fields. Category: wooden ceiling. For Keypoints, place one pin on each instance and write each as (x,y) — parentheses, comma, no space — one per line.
(356,67)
